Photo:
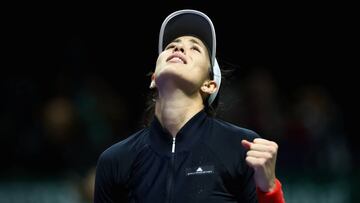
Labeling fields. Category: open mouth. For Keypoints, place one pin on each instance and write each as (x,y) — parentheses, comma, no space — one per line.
(176,58)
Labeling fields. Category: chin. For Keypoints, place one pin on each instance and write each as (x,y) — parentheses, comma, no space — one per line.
(169,70)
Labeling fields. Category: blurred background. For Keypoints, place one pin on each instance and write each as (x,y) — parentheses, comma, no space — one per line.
(74,81)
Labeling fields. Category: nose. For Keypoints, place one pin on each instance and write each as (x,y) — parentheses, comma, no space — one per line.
(179,47)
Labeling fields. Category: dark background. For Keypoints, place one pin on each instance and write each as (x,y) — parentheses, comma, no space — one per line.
(91,61)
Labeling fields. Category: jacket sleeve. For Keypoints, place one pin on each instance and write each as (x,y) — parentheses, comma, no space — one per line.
(108,189)
(275,196)
(104,181)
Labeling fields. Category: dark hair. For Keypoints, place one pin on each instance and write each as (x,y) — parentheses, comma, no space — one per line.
(150,106)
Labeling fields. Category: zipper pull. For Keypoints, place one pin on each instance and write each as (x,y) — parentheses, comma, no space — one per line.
(173,146)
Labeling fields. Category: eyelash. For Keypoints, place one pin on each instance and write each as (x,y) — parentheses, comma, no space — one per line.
(196,48)
(170,46)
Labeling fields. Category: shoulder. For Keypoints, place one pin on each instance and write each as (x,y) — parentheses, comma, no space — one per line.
(225,143)
(230,130)
(226,137)
(123,149)
(114,164)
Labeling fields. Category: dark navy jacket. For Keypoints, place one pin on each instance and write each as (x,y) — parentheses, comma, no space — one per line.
(205,163)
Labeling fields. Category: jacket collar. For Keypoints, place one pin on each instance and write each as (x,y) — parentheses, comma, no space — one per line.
(161,140)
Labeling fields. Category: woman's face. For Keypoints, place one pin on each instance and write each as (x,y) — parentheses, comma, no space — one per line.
(184,61)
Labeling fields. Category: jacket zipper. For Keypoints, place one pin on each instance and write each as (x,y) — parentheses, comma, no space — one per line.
(171,172)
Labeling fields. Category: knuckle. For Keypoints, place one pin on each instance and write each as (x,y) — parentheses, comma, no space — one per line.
(273,149)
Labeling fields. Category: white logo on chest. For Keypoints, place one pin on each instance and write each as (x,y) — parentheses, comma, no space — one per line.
(200,170)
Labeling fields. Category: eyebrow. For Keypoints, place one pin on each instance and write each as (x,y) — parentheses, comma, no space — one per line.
(191,40)
(195,41)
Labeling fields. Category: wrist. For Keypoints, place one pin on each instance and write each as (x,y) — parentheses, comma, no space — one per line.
(274,195)
(272,186)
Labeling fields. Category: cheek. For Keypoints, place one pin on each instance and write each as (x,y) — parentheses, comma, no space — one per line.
(203,70)
(200,74)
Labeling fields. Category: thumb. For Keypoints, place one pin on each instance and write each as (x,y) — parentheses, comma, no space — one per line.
(246,144)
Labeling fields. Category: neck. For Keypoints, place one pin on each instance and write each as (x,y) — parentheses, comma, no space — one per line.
(174,109)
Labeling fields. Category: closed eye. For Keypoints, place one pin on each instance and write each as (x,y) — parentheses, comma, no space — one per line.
(196,49)
(170,46)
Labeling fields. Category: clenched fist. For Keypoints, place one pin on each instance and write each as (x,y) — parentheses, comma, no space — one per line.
(262,158)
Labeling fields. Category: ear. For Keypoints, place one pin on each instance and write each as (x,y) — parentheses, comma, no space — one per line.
(209,86)
(152,83)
